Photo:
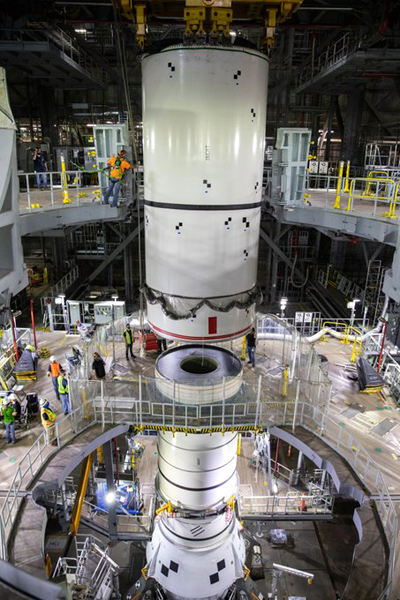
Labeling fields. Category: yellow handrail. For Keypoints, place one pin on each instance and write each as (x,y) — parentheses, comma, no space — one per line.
(339,187)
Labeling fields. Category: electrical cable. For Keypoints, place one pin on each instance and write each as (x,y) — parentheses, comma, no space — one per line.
(254,296)
(296,285)
(131,130)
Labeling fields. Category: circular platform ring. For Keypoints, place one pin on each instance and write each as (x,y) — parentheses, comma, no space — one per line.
(199,374)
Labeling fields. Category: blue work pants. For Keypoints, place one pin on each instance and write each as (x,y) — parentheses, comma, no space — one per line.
(41,180)
(113,188)
(55,386)
(65,403)
(10,433)
(252,354)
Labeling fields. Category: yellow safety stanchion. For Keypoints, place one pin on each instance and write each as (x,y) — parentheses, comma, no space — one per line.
(243,357)
(392,208)
(353,354)
(167,507)
(100,455)
(346,181)
(339,186)
(285,381)
(239,444)
(64,183)
(45,275)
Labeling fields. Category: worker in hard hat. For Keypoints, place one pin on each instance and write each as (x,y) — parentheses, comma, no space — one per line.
(53,371)
(117,166)
(9,415)
(48,418)
(129,341)
(63,390)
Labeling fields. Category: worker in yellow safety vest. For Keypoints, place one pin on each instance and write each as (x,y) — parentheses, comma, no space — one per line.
(117,166)
(129,339)
(63,390)
(48,418)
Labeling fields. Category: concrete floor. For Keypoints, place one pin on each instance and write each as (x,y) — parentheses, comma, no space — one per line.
(367,412)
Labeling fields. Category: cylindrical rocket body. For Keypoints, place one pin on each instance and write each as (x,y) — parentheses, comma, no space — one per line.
(197,472)
(204,116)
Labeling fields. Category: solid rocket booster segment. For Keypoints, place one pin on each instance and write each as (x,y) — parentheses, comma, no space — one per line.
(204,116)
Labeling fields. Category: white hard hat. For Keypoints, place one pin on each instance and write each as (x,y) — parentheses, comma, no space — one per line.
(12,397)
(52,358)
(6,401)
(43,401)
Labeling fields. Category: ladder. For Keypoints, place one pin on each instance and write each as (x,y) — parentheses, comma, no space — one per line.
(373,297)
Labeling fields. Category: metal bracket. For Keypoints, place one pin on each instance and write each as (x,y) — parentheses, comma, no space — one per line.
(221,19)
(194,19)
(140,11)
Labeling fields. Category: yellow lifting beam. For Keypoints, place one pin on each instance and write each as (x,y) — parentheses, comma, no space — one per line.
(80,495)
(221,19)
(140,12)
(276,12)
(194,19)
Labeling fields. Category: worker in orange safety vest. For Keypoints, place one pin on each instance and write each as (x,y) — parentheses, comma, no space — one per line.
(117,166)
(54,372)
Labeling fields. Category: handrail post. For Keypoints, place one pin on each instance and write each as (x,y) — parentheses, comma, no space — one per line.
(296,405)
(346,181)
(258,406)
(51,189)
(173,405)
(103,423)
(223,402)
(339,186)
(28,191)
(140,400)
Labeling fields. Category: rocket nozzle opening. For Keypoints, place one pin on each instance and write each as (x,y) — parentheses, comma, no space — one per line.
(199,365)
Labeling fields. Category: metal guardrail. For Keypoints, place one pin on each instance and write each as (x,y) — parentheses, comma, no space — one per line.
(331,56)
(254,414)
(77,183)
(58,38)
(292,503)
(354,194)
(64,283)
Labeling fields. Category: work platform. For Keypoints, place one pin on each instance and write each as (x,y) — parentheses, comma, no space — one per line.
(134,401)
(46,210)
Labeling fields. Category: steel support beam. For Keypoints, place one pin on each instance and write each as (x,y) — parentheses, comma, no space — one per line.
(113,255)
(280,253)
(351,134)
(115,230)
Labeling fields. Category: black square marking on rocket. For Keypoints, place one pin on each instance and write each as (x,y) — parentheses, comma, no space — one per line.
(221,565)
(173,566)
(256,186)
(214,578)
(207,184)
(164,570)
(236,76)
(178,227)
(245,254)
(246,223)
(147,220)
(171,68)
(228,222)
(253,114)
